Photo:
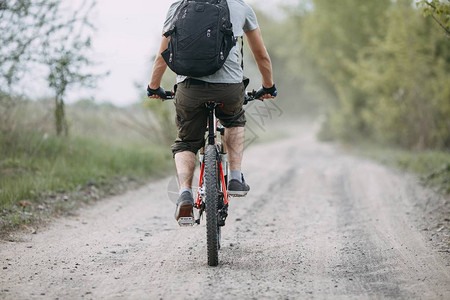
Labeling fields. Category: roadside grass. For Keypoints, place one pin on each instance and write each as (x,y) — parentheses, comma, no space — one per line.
(33,165)
(39,171)
(432,166)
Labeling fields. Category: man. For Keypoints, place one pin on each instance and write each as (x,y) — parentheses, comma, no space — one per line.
(225,86)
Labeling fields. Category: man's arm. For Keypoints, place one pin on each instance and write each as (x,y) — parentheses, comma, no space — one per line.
(261,55)
(160,66)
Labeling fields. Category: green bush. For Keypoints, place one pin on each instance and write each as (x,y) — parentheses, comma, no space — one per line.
(384,67)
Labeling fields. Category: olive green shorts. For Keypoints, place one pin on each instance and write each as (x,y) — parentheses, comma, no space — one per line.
(192,115)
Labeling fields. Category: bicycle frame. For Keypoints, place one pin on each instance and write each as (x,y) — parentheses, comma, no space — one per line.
(212,140)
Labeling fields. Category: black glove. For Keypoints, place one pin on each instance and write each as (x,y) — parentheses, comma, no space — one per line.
(159,92)
(266,91)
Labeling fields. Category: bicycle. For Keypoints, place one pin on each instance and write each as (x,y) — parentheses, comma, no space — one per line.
(212,196)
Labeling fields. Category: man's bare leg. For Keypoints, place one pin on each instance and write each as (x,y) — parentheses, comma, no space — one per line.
(234,140)
(185,161)
(185,164)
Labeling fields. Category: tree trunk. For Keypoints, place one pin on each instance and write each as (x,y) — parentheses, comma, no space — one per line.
(60,118)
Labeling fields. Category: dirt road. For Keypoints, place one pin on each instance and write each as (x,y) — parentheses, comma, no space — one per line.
(317,224)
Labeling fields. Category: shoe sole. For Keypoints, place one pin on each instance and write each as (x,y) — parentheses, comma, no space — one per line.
(184,210)
(237,193)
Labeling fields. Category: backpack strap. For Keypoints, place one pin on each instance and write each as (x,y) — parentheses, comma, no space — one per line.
(242,52)
(169,32)
(175,18)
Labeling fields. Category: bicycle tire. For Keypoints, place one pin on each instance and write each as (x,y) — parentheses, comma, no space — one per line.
(211,195)
(220,199)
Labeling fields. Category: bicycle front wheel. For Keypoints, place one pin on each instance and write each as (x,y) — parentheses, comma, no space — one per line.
(211,195)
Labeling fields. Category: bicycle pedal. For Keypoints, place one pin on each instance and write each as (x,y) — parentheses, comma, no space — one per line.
(186,221)
(238,194)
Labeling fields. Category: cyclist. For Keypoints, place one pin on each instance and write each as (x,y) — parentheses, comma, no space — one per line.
(225,86)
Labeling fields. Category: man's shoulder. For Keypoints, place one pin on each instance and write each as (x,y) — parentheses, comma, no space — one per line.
(240,6)
(239,2)
(175,4)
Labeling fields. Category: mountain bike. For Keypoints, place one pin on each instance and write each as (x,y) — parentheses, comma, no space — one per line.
(212,196)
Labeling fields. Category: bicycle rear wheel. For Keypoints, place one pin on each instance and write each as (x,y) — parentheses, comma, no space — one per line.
(211,195)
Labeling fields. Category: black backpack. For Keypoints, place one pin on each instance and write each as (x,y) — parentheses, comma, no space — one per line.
(201,37)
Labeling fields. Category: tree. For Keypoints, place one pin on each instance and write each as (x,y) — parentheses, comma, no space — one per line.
(332,35)
(384,67)
(40,33)
(406,75)
(67,62)
(438,10)
(65,70)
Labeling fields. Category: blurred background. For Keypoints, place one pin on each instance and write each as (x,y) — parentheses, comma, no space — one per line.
(371,74)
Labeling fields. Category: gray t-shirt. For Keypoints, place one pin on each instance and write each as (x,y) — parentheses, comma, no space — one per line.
(243,19)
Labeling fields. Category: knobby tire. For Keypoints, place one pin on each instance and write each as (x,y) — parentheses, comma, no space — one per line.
(211,194)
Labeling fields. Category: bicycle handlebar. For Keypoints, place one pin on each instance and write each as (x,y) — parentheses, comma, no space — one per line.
(249,96)
(170,95)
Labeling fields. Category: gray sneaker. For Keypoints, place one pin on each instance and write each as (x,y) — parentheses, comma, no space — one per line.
(238,189)
(185,204)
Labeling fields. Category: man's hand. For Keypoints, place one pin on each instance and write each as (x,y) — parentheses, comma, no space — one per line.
(266,93)
(159,93)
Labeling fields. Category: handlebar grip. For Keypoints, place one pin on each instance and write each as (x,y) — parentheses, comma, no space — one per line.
(170,95)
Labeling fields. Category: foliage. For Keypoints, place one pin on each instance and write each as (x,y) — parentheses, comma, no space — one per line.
(35,163)
(438,10)
(334,34)
(66,70)
(406,75)
(66,163)
(41,35)
(291,73)
(383,68)
(162,126)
